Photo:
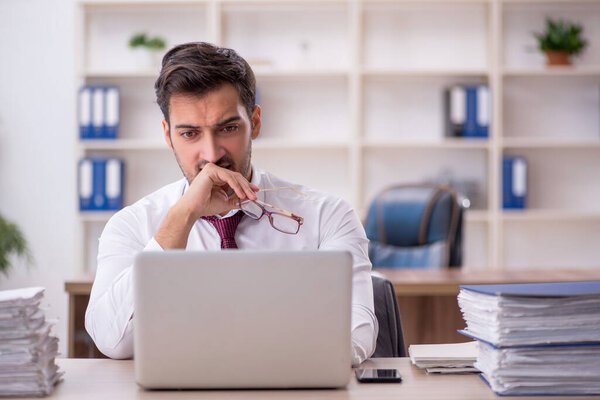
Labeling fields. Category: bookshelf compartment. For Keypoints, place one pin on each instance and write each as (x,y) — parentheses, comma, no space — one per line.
(552,107)
(384,168)
(108,29)
(475,244)
(408,109)
(561,179)
(304,109)
(425,36)
(551,245)
(140,116)
(144,172)
(520,47)
(323,169)
(289,37)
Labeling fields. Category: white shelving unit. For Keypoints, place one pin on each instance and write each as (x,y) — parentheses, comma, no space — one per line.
(351,92)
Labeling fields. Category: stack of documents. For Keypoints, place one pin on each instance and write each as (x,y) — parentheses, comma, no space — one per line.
(27,350)
(451,358)
(536,339)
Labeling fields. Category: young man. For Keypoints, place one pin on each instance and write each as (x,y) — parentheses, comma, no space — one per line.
(207,96)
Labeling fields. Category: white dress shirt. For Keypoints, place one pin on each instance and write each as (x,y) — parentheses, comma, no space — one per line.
(329,224)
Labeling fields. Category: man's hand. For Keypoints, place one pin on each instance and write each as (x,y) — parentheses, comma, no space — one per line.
(216,190)
(208,194)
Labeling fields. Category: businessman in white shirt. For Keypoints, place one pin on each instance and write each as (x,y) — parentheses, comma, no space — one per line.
(207,96)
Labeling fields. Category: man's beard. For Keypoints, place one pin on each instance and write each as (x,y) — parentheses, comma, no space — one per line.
(224,162)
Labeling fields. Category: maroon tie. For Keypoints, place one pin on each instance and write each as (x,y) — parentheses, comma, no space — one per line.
(226,228)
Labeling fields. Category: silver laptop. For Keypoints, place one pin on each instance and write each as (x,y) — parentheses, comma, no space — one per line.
(242,319)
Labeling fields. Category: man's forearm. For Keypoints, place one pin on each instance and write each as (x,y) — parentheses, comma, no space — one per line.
(175,229)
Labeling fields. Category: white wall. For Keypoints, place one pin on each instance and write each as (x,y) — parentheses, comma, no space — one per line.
(36,145)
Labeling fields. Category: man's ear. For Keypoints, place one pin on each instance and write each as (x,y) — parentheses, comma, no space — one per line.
(165,126)
(255,122)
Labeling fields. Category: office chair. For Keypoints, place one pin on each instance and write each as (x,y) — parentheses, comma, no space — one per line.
(390,340)
(415,226)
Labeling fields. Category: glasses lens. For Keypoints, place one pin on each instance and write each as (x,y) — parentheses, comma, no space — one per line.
(284,224)
(251,209)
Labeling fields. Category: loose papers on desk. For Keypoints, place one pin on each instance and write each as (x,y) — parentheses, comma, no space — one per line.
(536,338)
(450,358)
(27,350)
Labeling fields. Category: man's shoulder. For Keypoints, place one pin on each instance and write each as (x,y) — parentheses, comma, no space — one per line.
(312,197)
(155,204)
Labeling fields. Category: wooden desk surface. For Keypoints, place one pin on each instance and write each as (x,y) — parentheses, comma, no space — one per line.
(431,282)
(445,282)
(113,379)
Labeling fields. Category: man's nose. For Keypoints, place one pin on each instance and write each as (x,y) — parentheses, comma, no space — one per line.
(211,149)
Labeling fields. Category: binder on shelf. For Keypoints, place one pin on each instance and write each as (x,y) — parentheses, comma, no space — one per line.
(111,121)
(100,184)
(467,111)
(99,115)
(483,111)
(98,112)
(514,182)
(454,111)
(470,129)
(85,113)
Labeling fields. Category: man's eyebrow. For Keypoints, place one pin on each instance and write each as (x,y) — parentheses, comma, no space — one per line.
(228,120)
(220,123)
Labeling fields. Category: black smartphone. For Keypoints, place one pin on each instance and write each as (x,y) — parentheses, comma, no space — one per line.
(378,376)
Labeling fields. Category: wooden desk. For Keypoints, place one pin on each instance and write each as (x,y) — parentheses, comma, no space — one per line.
(427,301)
(92,379)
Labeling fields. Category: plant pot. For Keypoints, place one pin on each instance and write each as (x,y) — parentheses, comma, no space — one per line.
(558,58)
(146,59)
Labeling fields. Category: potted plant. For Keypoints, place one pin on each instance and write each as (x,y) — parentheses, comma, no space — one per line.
(147,49)
(12,242)
(561,40)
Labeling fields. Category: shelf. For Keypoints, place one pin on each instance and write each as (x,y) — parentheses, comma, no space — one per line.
(424,73)
(123,144)
(549,215)
(292,144)
(449,143)
(477,215)
(558,71)
(269,72)
(95,216)
(549,143)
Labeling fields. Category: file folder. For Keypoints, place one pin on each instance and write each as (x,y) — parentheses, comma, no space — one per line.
(514,182)
(98,112)
(85,113)
(483,111)
(470,129)
(111,120)
(100,184)
(114,184)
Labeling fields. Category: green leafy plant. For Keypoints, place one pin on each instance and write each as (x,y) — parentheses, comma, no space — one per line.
(12,242)
(142,40)
(561,35)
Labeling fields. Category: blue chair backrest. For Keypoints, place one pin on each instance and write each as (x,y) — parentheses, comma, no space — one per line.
(414,226)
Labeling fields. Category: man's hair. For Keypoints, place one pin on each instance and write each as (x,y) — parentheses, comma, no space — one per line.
(198,68)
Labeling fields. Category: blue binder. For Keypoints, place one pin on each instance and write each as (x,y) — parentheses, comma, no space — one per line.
(550,289)
(98,109)
(113,188)
(514,182)
(100,184)
(111,113)
(470,127)
(483,111)
(85,113)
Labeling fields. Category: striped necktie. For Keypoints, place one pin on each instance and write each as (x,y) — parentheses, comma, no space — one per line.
(226,228)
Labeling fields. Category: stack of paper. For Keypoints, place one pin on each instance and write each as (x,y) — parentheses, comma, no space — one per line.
(450,358)
(536,339)
(27,350)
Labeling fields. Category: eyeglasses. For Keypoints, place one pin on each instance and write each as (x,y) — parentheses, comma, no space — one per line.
(283,221)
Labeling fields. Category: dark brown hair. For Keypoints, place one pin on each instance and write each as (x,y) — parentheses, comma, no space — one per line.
(198,68)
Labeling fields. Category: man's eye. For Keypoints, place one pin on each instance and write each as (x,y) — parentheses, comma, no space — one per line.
(229,128)
(188,134)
